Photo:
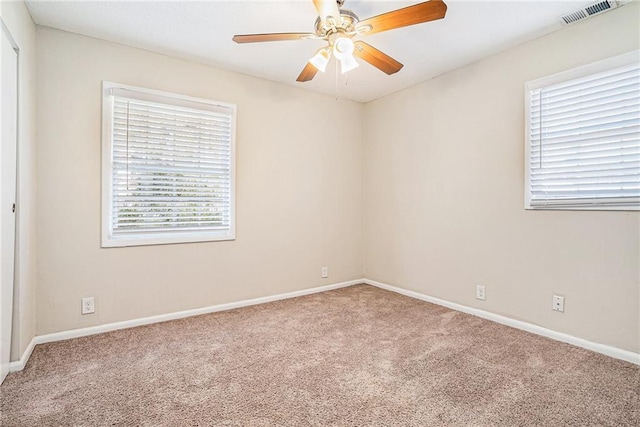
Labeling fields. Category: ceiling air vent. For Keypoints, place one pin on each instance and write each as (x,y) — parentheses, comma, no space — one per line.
(589,11)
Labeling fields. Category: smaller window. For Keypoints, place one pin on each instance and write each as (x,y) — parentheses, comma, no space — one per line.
(167,168)
(583,137)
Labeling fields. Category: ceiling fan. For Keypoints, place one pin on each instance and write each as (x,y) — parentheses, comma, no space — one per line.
(338,27)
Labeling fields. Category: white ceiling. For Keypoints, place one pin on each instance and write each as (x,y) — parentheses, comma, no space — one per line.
(202,31)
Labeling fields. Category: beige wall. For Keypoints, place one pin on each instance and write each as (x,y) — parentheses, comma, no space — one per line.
(299,190)
(19,23)
(444,178)
(442,168)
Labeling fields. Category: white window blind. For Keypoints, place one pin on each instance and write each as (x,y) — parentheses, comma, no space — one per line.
(583,146)
(169,168)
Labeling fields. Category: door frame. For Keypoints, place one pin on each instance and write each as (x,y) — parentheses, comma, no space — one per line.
(6,32)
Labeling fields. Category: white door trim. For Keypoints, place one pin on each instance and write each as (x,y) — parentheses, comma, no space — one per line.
(6,303)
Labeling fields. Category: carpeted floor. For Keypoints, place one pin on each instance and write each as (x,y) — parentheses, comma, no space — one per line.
(358,356)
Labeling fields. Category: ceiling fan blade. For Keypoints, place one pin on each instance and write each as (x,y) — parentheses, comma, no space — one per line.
(272,37)
(308,73)
(377,58)
(416,14)
(328,8)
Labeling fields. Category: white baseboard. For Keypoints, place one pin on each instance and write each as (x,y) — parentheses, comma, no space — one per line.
(19,365)
(83,332)
(614,352)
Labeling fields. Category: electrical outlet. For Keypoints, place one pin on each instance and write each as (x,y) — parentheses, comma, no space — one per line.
(480,292)
(88,305)
(325,272)
(558,303)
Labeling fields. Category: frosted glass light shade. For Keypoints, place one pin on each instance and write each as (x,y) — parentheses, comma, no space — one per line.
(343,47)
(321,59)
(348,63)
(343,50)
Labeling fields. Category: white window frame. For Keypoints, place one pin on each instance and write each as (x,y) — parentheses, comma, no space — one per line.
(171,236)
(575,73)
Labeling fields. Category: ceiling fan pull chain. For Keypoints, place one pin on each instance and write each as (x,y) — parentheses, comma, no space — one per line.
(336,62)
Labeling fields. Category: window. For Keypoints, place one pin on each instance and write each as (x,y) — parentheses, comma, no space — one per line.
(583,137)
(167,168)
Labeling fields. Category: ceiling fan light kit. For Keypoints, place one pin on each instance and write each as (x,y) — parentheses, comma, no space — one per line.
(338,27)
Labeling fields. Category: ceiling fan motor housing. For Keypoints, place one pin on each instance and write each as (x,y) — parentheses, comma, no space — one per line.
(348,25)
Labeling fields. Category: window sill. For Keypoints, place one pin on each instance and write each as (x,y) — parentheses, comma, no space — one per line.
(165,239)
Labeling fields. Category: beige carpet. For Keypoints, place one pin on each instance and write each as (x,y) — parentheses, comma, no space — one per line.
(358,356)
